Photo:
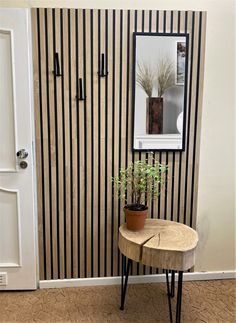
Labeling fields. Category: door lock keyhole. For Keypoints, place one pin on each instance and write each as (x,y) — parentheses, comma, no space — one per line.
(23,164)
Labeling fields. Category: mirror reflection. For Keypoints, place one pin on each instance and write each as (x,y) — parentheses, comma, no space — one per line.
(160,67)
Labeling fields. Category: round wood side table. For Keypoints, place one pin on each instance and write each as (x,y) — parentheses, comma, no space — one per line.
(162,244)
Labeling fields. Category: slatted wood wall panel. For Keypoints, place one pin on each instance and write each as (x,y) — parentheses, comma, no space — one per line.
(82,144)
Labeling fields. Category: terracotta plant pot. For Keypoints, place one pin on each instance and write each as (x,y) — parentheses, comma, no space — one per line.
(154,118)
(135,220)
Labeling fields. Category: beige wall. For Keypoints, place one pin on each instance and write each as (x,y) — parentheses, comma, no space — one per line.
(216,209)
(216,212)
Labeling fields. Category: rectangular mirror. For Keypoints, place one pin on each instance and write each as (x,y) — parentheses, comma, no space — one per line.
(160,91)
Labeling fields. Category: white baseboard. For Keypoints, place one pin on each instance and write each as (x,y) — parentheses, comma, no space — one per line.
(76,282)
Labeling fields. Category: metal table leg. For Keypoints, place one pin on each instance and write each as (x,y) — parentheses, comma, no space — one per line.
(170,290)
(125,272)
(171,293)
(179,297)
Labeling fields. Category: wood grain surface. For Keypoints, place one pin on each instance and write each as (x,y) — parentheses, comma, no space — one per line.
(161,243)
(80,145)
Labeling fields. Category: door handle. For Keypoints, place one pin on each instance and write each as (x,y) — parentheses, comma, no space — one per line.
(22,154)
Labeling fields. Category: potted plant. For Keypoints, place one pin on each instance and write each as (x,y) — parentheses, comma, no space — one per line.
(141,180)
(161,78)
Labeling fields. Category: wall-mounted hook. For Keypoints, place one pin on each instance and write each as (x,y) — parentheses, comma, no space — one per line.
(80,97)
(102,72)
(56,71)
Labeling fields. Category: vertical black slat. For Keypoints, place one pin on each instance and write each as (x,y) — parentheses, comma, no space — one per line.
(64,135)
(150,20)
(78,137)
(143,20)
(135,29)
(152,206)
(56,141)
(172,191)
(196,115)
(127,87)
(173,160)
(49,136)
(113,129)
(99,140)
(142,24)
(41,141)
(189,118)
(164,22)
(152,202)
(186,22)
(107,139)
(140,153)
(160,153)
(157,30)
(120,118)
(92,144)
(180,153)
(166,187)
(167,154)
(179,17)
(171,21)
(167,157)
(159,187)
(127,97)
(71,146)
(157,21)
(158,212)
(85,146)
(133,153)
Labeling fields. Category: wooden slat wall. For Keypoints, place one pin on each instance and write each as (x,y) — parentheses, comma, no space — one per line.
(82,144)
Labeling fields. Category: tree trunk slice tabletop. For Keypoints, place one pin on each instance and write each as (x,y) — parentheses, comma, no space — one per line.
(161,244)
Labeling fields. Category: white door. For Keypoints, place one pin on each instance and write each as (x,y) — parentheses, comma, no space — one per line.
(17,181)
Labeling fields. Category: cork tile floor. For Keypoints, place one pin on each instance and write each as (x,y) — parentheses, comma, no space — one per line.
(207,301)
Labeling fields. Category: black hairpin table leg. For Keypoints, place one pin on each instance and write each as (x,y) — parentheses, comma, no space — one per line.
(179,297)
(125,272)
(171,293)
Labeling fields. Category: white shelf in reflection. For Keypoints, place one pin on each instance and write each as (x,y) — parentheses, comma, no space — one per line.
(165,141)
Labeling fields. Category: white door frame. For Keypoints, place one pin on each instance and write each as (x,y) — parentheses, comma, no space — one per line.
(31,82)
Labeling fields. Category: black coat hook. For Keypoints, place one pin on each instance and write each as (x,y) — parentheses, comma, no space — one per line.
(102,72)
(80,97)
(56,65)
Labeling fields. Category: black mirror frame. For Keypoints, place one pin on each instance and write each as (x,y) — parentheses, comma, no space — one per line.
(186,35)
